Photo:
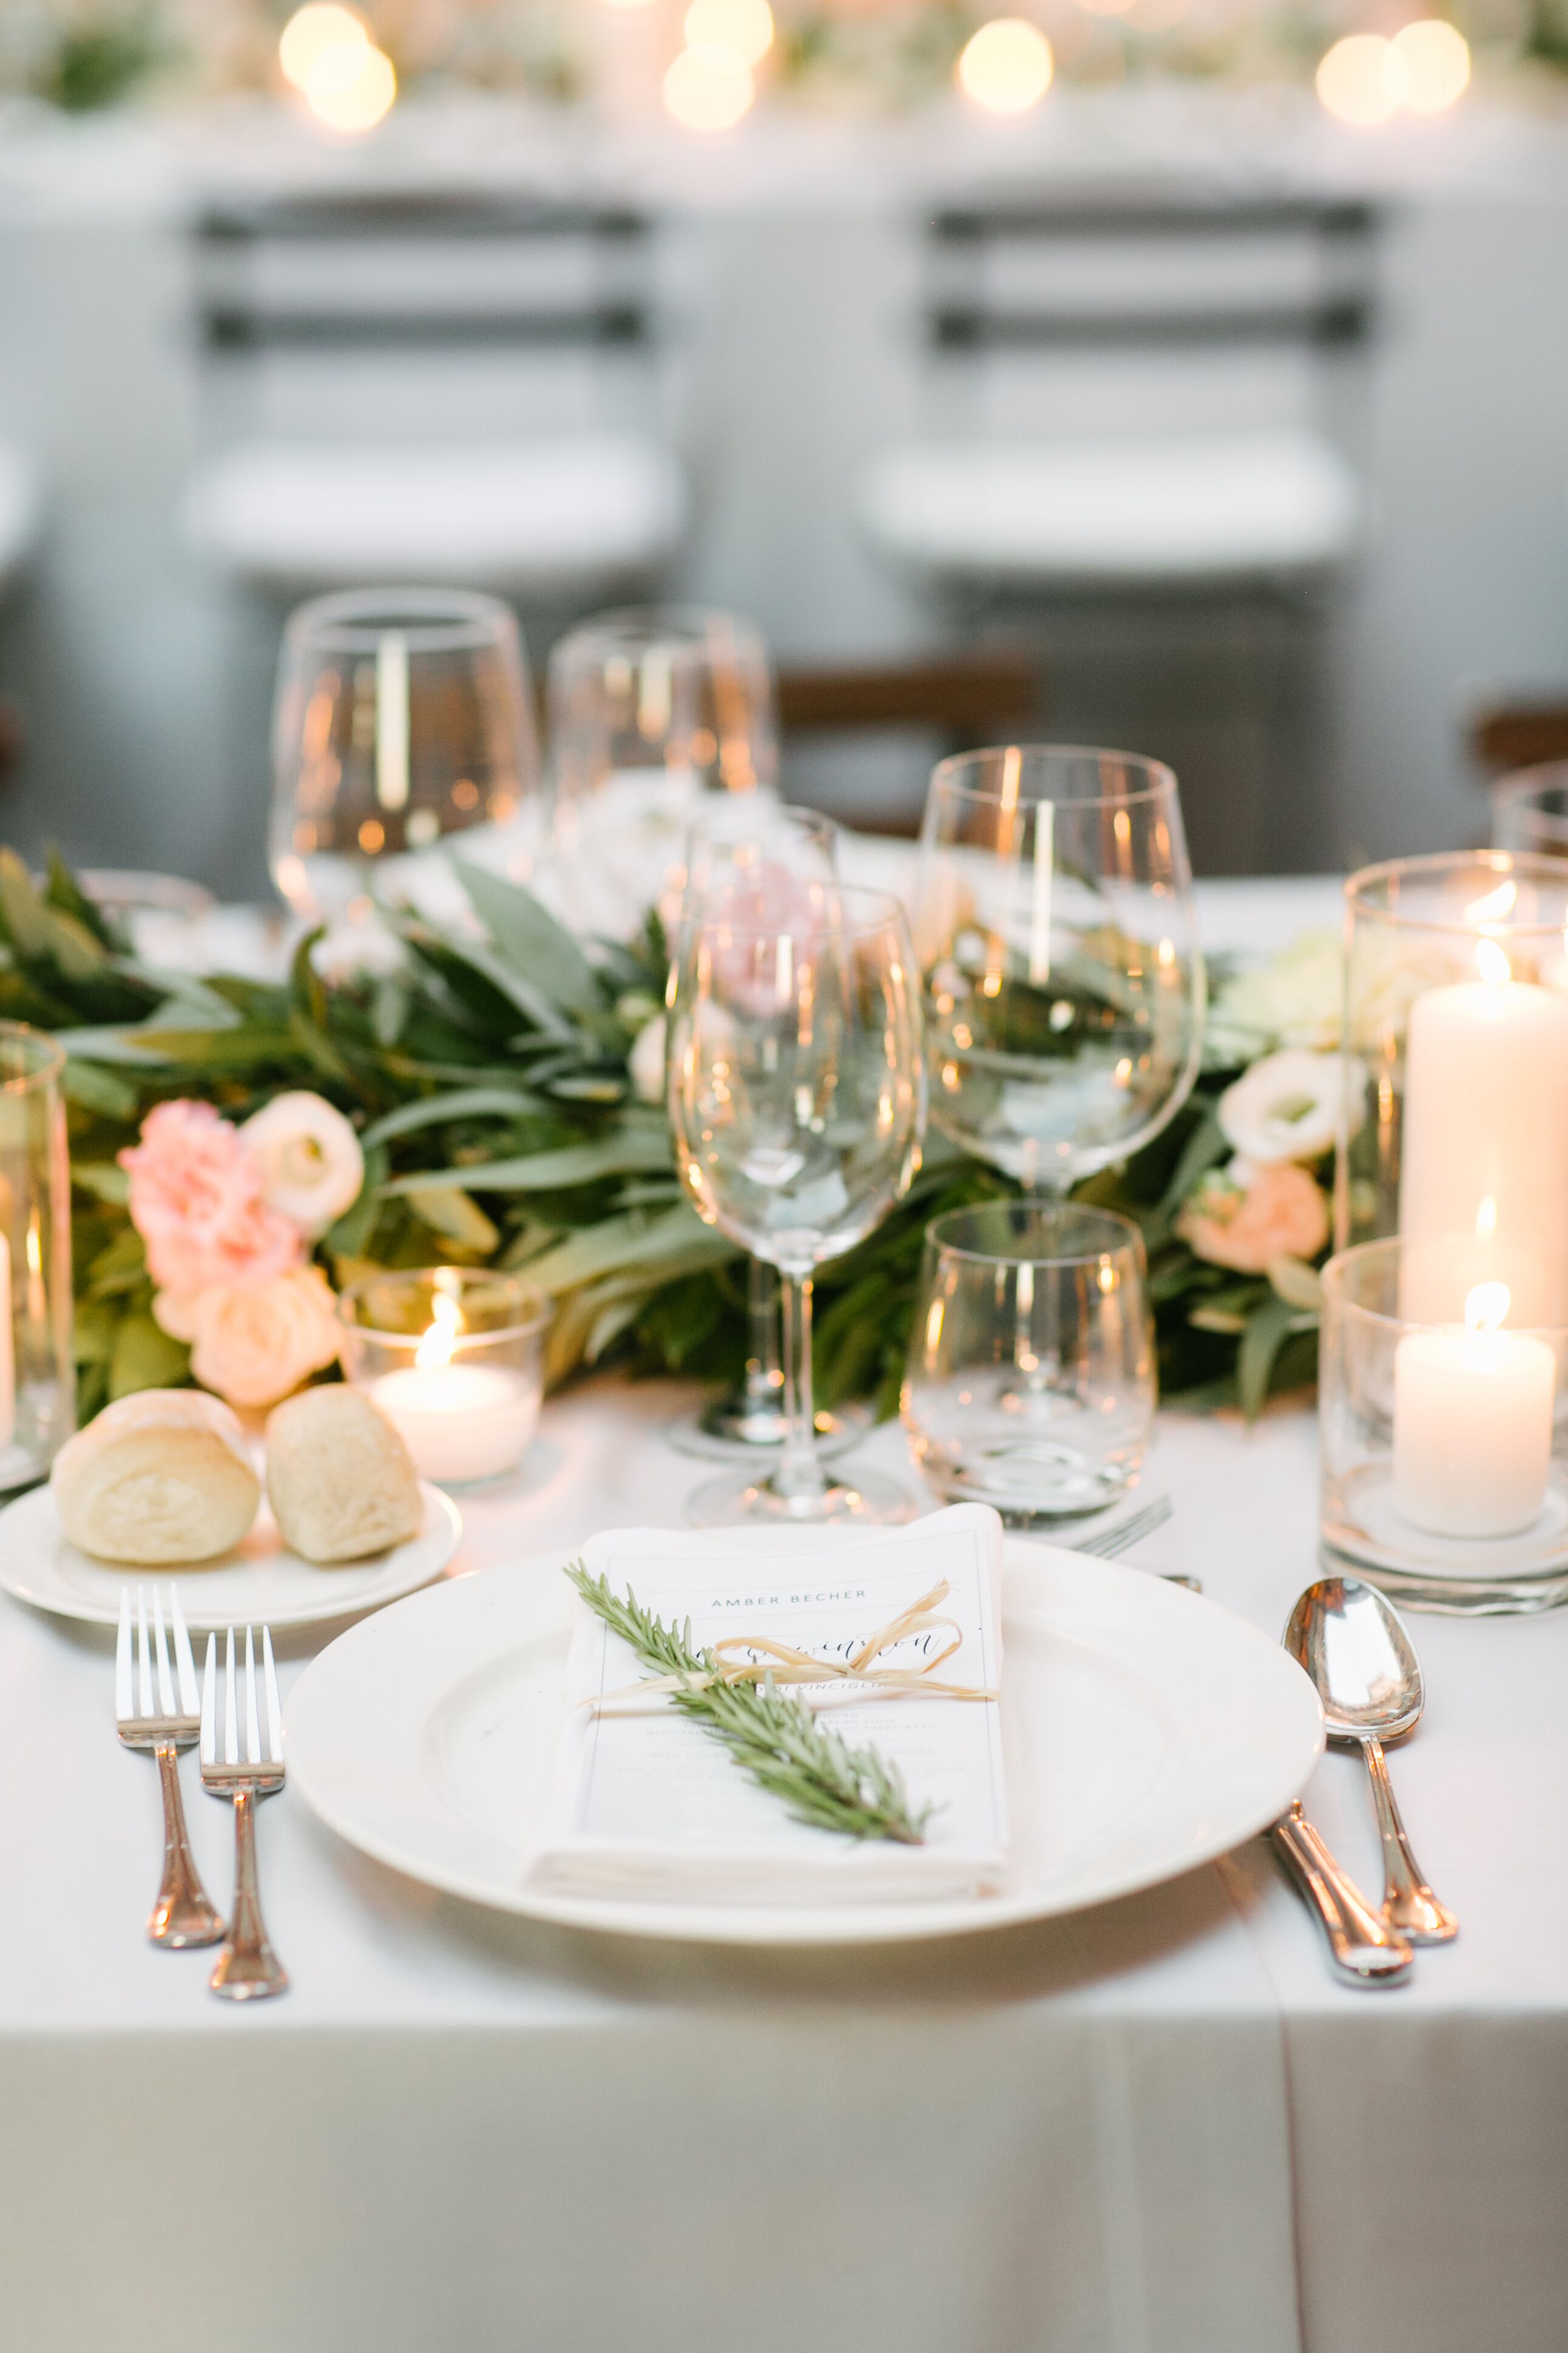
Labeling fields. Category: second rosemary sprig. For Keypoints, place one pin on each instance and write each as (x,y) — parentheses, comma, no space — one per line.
(778,1741)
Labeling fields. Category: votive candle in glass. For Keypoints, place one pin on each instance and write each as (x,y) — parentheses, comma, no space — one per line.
(454,1357)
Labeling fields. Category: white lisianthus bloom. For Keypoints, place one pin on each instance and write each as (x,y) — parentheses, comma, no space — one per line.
(312,1167)
(645,1063)
(1288,1107)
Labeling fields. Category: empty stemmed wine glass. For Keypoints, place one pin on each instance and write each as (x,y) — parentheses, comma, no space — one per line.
(750,844)
(1064,996)
(652,711)
(1064,984)
(400,715)
(797,1102)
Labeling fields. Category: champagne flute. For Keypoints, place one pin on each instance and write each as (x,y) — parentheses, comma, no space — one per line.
(797,1102)
(401,716)
(1064,984)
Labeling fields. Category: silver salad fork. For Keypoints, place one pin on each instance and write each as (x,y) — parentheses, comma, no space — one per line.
(165,1722)
(247,1966)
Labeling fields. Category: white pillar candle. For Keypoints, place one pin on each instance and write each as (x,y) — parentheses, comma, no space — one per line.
(459,1421)
(1484,1145)
(1472,1423)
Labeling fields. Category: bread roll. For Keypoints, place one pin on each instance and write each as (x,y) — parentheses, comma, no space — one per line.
(341,1480)
(161,1479)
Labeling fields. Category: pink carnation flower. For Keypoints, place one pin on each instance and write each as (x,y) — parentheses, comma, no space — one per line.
(198,1202)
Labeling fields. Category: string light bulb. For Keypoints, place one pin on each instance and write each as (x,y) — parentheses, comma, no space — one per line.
(1436,58)
(1007,66)
(311,31)
(709,88)
(743,26)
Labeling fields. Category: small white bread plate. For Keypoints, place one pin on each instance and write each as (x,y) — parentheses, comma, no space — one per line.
(1147,1730)
(260,1582)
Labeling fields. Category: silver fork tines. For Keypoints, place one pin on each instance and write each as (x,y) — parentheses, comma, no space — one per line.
(247,1965)
(165,1722)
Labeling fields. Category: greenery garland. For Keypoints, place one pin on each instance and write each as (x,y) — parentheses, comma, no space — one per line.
(487,1080)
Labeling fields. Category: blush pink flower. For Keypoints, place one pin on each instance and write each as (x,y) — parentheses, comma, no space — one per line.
(1282,1213)
(198,1201)
(254,1342)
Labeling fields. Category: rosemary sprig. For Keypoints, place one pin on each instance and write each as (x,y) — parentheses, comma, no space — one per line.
(778,1741)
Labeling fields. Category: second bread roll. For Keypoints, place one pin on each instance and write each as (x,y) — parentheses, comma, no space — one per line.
(340,1481)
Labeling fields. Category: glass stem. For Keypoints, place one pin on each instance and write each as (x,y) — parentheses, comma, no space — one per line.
(799,1472)
(764,1377)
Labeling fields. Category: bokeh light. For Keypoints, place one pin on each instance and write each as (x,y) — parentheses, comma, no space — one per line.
(707,89)
(1361,80)
(745,26)
(1435,57)
(1006,66)
(311,31)
(351,90)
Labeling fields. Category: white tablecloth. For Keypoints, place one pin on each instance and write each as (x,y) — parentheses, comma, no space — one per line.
(1159,2127)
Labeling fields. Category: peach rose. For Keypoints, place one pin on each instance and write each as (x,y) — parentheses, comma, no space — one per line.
(198,1202)
(1282,1213)
(254,1342)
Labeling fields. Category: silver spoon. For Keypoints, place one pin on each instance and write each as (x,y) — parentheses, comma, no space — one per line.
(1354,1647)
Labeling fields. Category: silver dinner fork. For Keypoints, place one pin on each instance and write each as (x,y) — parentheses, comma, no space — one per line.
(1110,1544)
(247,1966)
(165,1720)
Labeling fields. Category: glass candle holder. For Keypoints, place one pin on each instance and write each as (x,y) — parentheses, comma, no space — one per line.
(37,1375)
(1455,1115)
(454,1357)
(1030,1381)
(1442,1410)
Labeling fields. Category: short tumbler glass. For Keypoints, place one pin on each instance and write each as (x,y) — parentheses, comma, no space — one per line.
(454,1357)
(1030,1382)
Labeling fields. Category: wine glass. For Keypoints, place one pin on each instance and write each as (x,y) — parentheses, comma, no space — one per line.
(1530,810)
(651,710)
(797,1102)
(401,716)
(750,844)
(1064,984)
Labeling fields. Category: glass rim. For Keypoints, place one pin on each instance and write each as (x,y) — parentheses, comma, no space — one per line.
(1536,865)
(891,913)
(1160,780)
(49,1065)
(1130,1236)
(1332,1273)
(432,619)
(704,621)
(537,1305)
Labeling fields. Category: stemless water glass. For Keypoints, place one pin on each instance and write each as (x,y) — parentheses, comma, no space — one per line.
(650,708)
(796,1102)
(1054,922)
(1030,1382)
(400,715)
(748,843)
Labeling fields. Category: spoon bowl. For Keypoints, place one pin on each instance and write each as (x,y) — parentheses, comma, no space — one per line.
(1354,1647)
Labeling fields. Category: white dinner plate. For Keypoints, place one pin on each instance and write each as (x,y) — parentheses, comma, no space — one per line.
(1146,1731)
(260,1582)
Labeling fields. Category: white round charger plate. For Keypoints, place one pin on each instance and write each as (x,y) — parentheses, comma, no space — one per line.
(260,1582)
(1146,1731)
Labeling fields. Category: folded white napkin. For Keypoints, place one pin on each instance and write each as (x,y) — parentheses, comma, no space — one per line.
(647,1804)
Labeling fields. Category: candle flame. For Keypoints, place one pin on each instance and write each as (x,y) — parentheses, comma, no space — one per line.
(1492,964)
(1486,1306)
(1496,907)
(436,1348)
(1486,1216)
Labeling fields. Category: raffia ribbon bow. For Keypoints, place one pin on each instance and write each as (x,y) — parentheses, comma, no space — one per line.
(786,1665)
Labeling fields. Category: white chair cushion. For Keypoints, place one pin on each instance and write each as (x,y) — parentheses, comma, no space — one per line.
(21,511)
(1119,513)
(542,516)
